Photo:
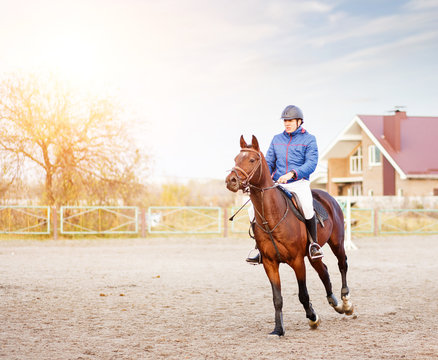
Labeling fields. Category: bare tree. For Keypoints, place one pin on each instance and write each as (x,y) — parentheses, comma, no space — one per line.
(9,171)
(79,143)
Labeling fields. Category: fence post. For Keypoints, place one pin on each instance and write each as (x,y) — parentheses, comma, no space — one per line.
(348,244)
(143,223)
(55,223)
(225,222)
(376,222)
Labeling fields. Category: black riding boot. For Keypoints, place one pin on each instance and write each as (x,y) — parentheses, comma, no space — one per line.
(314,248)
(257,259)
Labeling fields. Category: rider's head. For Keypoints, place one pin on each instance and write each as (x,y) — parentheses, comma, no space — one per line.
(292,117)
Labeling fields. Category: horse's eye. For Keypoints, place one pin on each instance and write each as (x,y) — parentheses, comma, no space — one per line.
(251,160)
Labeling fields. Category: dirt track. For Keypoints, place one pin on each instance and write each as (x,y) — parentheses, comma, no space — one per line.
(197,299)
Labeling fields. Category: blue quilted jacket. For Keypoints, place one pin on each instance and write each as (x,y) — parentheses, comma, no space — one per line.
(297,151)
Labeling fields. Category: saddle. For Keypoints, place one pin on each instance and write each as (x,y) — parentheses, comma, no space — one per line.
(294,204)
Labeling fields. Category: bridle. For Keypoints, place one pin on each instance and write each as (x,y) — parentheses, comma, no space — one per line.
(245,182)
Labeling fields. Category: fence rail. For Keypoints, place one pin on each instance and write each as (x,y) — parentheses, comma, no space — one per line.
(99,220)
(32,220)
(408,221)
(240,224)
(84,220)
(184,220)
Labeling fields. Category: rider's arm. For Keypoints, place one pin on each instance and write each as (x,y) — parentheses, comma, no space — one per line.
(311,160)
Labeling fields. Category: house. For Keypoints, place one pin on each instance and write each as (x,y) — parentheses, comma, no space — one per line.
(383,155)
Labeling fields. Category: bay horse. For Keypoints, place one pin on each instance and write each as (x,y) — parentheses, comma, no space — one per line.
(282,238)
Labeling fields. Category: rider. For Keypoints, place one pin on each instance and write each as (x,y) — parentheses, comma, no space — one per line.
(292,157)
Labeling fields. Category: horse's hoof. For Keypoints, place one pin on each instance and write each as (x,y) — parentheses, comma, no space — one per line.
(315,324)
(276,333)
(347,305)
(349,311)
(334,304)
(339,309)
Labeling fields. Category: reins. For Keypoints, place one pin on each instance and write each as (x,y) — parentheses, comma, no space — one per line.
(247,186)
(265,222)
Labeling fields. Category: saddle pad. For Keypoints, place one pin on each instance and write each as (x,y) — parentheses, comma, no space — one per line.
(320,211)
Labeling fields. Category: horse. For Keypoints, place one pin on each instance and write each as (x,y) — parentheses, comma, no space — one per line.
(282,238)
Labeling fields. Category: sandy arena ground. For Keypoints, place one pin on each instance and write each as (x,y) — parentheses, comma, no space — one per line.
(196,298)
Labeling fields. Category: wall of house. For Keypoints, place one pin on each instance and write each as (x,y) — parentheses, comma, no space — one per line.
(415,187)
(372,175)
(337,167)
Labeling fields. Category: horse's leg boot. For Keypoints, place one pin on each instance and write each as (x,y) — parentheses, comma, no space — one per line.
(315,250)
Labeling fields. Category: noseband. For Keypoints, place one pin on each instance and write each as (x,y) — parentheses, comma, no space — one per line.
(245,181)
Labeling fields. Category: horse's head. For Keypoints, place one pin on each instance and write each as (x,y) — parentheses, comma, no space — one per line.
(248,166)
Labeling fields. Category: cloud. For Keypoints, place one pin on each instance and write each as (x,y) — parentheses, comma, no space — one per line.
(375,56)
(293,10)
(421,4)
(391,26)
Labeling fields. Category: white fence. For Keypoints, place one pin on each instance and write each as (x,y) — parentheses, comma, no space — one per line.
(363,216)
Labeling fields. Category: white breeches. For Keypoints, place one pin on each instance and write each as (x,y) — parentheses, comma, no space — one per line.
(302,189)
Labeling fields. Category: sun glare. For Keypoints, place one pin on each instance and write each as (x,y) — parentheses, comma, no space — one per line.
(72,56)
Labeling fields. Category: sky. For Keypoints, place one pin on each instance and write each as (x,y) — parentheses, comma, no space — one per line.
(194,75)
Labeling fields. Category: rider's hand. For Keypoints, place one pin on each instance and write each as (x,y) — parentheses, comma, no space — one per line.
(286,177)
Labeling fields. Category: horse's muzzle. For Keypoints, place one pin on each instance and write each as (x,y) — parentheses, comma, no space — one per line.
(232,182)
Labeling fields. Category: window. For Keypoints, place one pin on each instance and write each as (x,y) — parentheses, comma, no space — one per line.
(356,189)
(356,161)
(374,157)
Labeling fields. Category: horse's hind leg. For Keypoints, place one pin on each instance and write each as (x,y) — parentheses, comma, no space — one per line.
(271,269)
(300,272)
(322,271)
(339,251)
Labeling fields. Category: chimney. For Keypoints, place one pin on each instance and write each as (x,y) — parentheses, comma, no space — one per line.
(391,128)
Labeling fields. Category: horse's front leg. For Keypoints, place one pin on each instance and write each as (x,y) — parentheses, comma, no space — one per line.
(271,269)
(300,272)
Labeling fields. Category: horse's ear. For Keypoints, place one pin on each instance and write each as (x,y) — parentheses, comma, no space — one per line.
(255,143)
(243,143)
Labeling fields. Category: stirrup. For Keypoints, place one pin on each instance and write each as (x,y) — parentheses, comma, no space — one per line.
(314,257)
(254,260)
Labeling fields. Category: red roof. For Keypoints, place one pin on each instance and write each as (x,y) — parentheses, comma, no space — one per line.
(418,142)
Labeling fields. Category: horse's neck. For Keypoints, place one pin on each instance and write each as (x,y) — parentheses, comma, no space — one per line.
(267,202)
(268,194)
(266,199)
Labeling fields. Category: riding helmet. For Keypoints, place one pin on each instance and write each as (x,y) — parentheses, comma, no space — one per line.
(292,112)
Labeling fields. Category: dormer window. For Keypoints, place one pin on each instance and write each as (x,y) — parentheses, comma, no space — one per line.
(356,161)
(374,156)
